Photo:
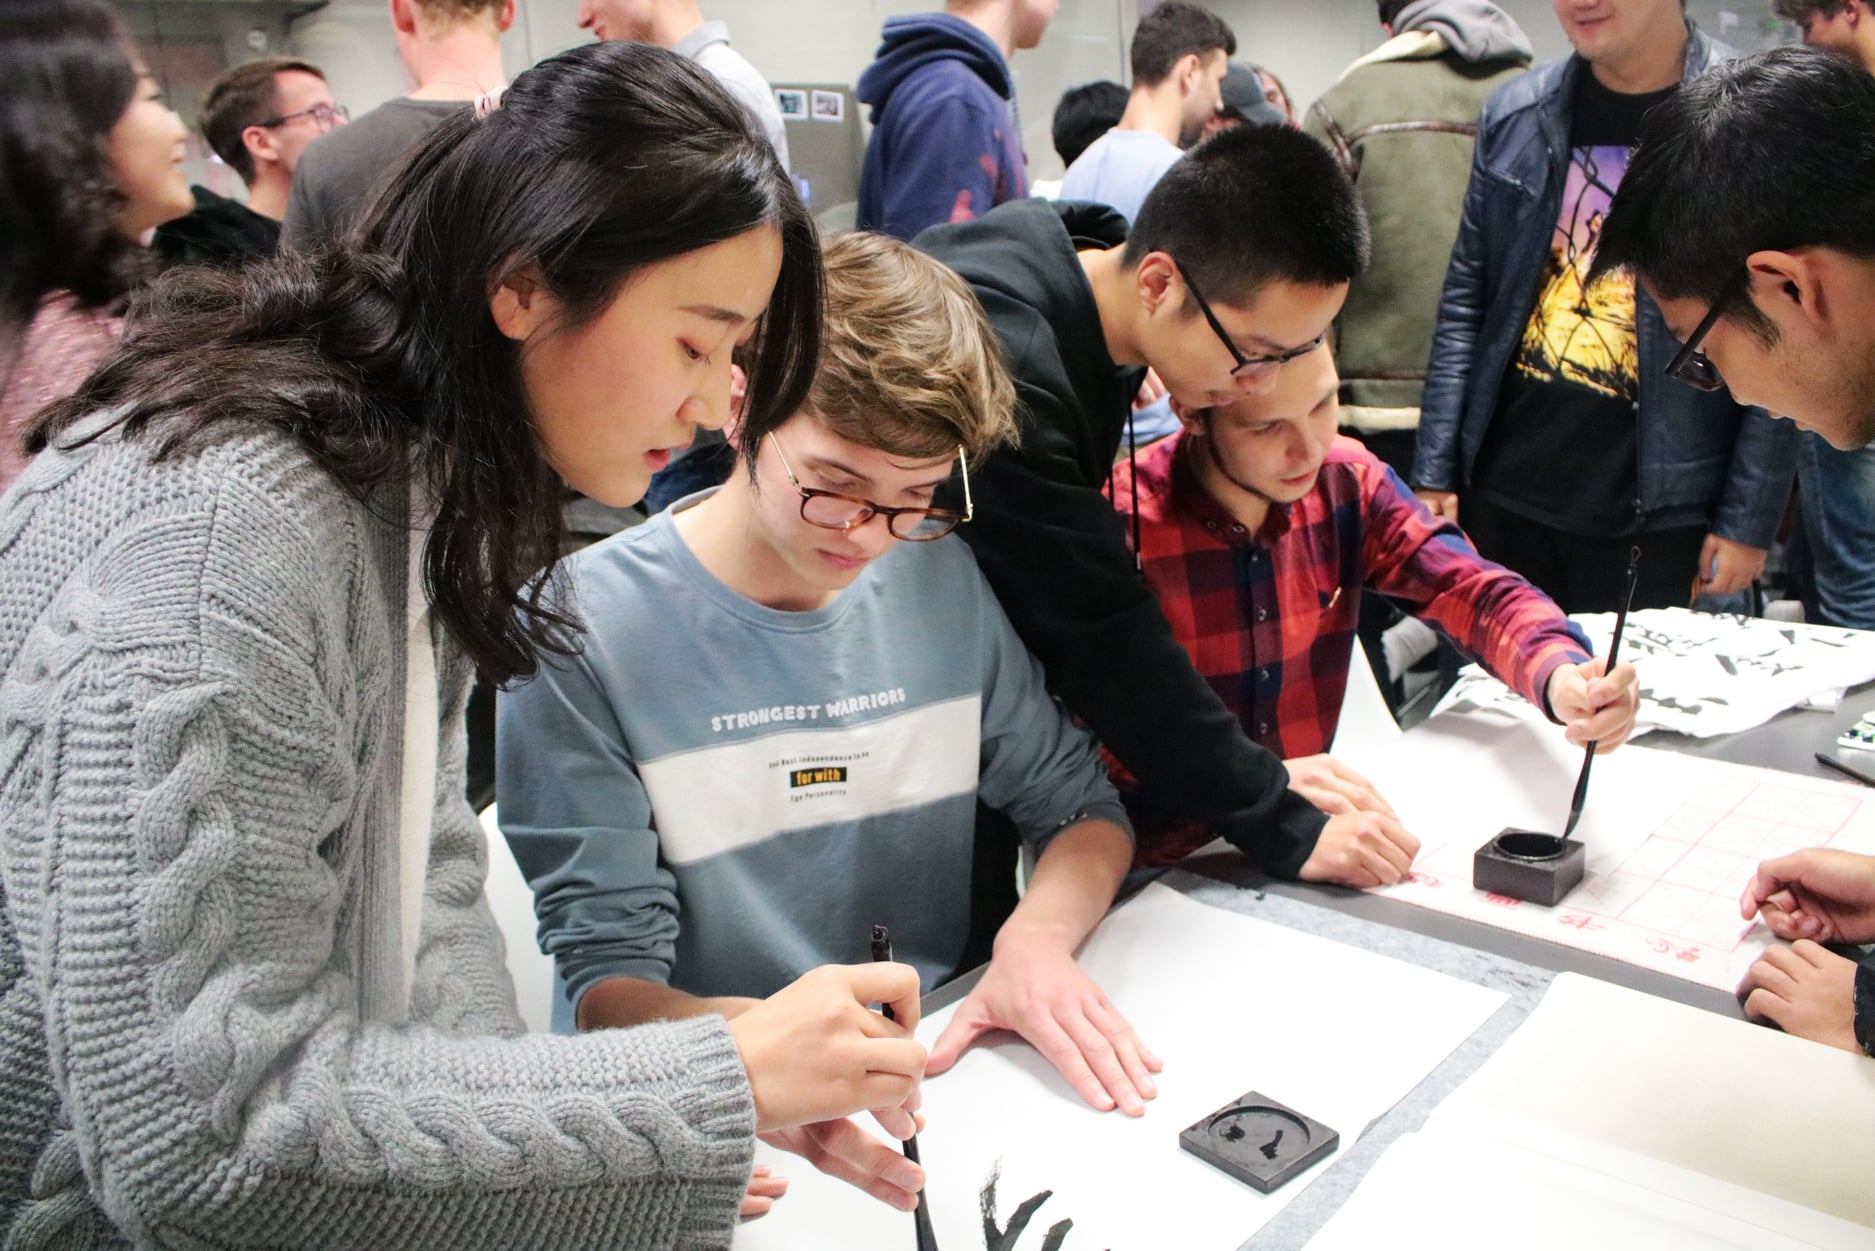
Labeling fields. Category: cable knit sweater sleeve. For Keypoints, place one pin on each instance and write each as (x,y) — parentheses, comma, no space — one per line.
(199,753)
(462,977)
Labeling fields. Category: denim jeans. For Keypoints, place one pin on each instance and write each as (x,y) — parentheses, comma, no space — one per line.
(1839,523)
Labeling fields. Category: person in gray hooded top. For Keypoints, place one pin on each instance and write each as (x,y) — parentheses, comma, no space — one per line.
(250,992)
(1401,122)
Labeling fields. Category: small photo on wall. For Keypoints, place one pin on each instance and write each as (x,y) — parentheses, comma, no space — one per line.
(829,106)
(792,103)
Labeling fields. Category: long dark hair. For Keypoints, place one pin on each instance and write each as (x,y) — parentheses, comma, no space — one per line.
(68,77)
(382,352)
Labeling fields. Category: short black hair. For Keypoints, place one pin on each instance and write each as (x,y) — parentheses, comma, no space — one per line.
(1802,10)
(1772,151)
(1390,9)
(1253,205)
(1084,114)
(1170,33)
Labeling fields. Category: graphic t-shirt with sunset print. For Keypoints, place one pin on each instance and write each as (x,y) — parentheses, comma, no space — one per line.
(1562,445)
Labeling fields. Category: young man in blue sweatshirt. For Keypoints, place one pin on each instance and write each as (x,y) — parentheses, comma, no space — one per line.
(697,838)
(946,144)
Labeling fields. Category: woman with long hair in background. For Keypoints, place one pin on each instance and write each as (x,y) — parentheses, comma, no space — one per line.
(90,160)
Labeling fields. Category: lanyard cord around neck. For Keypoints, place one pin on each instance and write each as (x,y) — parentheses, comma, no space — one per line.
(1132,468)
(1113,497)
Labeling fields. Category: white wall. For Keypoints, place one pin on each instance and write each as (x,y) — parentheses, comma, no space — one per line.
(1305,42)
(834,40)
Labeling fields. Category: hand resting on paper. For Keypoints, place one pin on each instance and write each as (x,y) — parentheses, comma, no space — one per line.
(1363,843)
(765,1186)
(1333,787)
(1361,849)
(1034,988)
(1814,896)
(1593,708)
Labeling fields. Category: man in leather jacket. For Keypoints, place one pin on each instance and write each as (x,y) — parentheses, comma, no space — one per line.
(1544,408)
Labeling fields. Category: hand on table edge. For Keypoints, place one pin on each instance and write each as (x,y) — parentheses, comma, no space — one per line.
(1806,990)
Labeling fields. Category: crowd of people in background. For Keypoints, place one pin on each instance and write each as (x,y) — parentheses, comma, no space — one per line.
(1023,520)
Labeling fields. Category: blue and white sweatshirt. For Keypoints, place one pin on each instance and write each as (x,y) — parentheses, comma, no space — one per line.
(720,796)
(946,146)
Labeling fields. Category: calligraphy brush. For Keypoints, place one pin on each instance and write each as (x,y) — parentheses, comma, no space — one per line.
(921,1216)
(1614,648)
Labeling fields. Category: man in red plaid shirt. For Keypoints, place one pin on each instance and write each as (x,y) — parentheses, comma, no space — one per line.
(1258,528)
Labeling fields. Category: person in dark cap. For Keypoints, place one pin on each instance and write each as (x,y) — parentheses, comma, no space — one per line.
(1241,99)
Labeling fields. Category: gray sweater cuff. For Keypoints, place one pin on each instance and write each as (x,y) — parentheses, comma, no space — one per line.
(696,1065)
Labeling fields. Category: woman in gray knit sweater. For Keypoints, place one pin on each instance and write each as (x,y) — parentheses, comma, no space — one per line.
(250,993)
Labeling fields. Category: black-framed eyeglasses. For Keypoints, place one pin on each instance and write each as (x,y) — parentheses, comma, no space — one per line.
(1247,366)
(327,115)
(1689,364)
(832,511)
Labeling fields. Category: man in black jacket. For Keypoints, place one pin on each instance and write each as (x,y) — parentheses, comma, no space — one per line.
(1239,260)
(258,117)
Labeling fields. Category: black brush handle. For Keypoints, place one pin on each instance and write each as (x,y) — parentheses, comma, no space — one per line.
(1614,649)
(921,1216)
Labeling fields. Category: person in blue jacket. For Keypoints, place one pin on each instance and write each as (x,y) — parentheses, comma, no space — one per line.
(946,143)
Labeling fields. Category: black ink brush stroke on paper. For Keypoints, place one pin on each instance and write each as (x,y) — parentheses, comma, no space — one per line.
(1009,1238)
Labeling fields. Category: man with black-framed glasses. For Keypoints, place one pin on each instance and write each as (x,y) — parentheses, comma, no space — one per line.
(1835,485)
(1749,214)
(258,118)
(1237,263)
(698,836)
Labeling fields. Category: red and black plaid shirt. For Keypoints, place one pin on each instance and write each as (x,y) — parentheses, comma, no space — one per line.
(1268,618)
